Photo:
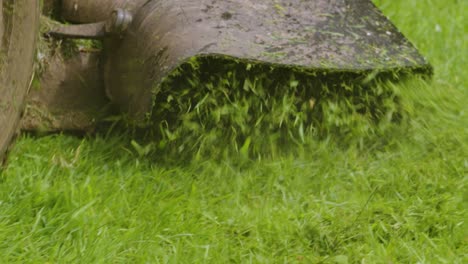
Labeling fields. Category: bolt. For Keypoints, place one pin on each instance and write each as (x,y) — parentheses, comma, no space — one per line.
(119,21)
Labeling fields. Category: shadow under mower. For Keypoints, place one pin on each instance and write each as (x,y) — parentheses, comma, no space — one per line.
(145,44)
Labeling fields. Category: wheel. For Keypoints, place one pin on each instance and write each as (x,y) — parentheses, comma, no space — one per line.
(19,24)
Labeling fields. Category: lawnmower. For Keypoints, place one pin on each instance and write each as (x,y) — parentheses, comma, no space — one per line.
(141,44)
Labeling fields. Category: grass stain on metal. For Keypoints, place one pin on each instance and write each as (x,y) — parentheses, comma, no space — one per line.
(334,36)
(266,60)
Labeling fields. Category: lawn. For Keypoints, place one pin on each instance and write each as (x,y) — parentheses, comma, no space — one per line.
(397,198)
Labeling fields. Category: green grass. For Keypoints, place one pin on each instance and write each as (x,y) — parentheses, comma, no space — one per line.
(400,197)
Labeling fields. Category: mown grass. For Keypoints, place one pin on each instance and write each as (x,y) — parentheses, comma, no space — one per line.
(399,197)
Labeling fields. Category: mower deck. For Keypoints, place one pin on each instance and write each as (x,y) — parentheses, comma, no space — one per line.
(314,37)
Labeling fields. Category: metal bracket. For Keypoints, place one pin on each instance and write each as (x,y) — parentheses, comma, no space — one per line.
(117,24)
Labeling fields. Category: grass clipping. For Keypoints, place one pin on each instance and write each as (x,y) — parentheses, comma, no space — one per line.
(210,105)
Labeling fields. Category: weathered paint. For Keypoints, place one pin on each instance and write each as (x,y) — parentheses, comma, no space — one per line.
(19,25)
(319,35)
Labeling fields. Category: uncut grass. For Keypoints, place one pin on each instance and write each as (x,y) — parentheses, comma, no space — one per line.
(96,200)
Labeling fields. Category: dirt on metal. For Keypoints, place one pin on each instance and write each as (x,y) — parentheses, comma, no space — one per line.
(68,96)
(334,39)
(323,35)
(19,23)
